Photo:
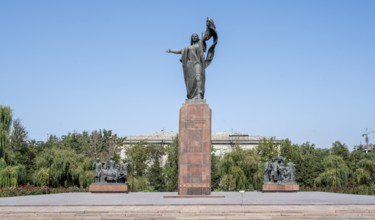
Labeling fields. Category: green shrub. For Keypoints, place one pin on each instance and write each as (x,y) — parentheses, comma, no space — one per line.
(12,176)
(33,190)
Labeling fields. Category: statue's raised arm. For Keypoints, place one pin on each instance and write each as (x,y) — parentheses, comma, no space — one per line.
(194,61)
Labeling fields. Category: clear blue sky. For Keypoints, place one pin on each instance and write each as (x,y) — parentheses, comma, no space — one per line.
(303,70)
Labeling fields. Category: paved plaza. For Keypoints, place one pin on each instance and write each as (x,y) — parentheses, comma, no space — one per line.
(222,205)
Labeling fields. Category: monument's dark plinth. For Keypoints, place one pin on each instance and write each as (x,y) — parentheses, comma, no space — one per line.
(194,150)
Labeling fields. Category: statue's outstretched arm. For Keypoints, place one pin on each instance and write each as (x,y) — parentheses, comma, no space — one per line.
(173,51)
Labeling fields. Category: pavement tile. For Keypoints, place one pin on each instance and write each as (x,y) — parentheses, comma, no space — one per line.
(262,206)
(187,217)
(212,217)
(190,211)
(115,217)
(362,217)
(247,217)
(261,214)
(349,214)
(369,214)
(351,211)
(169,215)
(310,213)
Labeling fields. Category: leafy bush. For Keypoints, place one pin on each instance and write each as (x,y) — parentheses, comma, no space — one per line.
(12,176)
(360,190)
(33,190)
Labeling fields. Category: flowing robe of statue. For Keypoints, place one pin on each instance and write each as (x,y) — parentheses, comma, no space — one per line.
(194,61)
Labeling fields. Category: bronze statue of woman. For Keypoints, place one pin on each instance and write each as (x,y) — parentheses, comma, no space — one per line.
(194,61)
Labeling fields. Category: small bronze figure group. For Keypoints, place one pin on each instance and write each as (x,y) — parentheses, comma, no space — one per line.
(277,172)
(110,172)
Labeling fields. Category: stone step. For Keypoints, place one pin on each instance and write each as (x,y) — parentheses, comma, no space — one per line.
(189,212)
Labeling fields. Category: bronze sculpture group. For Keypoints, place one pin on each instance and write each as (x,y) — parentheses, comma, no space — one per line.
(110,172)
(277,172)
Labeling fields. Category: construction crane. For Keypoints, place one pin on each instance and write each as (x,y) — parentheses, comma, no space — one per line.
(367,139)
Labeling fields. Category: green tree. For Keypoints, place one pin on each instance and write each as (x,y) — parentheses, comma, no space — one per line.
(19,145)
(366,167)
(65,168)
(155,171)
(171,166)
(215,171)
(138,154)
(95,142)
(253,169)
(12,176)
(52,141)
(310,165)
(336,172)
(289,151)
(110,142)
(267,149)
(5,123)
(226,166)
(356,176)
(239,169)
(101,143)
(80,143)
(341,150)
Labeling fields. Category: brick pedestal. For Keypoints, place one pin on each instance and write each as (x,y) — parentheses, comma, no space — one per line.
(194,150)
(280,188)
(108,188)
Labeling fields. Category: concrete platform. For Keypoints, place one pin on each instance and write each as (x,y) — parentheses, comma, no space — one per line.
(230,205)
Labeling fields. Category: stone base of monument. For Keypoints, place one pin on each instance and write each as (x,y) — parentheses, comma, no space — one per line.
(194,150)
(194,191)
(109,188)
(280,188)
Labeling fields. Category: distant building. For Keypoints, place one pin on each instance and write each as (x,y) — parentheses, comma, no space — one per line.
(367,148)
(222,142)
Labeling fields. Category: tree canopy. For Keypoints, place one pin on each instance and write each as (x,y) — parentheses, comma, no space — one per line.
(67,161)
